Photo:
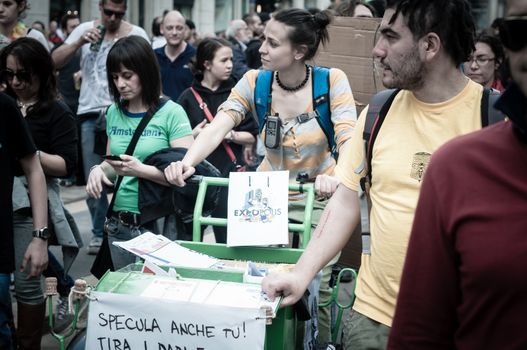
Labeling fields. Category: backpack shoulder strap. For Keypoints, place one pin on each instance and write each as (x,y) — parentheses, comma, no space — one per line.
(262,96)
(379,106)
(321,104)
(489,114)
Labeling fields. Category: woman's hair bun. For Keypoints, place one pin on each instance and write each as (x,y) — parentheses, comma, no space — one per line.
(322,19)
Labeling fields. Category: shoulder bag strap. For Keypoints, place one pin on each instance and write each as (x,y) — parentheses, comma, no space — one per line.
(131,147)
(209,116)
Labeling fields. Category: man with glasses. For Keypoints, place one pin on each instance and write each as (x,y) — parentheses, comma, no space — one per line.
(421,45)
(94,39)
(175,56)
(464,284)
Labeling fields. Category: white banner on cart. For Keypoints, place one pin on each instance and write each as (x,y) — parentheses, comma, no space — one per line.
(257,208)
(126,322)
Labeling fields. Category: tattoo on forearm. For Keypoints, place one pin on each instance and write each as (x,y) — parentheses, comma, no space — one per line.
(322,225)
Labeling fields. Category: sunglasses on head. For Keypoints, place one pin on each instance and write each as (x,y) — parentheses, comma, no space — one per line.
(111,13)
(512,32)
(21,75)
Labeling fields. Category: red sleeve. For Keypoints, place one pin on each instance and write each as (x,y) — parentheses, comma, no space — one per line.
(425,316)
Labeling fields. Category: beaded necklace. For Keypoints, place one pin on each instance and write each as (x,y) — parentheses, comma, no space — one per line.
(294,88)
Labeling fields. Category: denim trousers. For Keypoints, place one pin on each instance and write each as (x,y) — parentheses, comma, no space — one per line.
(117,232)
(28,289)
(6,313)
(96,207)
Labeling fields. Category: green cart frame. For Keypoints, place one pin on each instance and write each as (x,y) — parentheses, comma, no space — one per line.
(281,334)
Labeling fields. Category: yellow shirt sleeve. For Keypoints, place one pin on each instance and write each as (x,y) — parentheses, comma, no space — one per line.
(353,157)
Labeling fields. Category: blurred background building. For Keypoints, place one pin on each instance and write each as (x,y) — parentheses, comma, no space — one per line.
(210,16)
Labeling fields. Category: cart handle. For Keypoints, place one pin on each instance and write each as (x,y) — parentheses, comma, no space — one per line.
(199,220)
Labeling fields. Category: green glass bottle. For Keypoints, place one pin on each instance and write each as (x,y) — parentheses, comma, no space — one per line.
(97,45)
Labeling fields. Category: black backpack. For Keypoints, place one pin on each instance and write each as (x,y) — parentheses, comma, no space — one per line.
(378,108)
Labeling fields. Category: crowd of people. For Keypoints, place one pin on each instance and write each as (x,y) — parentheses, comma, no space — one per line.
(443,203)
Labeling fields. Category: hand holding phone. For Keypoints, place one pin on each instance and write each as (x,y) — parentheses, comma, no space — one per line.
(112,157)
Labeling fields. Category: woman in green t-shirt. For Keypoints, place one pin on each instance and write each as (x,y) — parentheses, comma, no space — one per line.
(135,85)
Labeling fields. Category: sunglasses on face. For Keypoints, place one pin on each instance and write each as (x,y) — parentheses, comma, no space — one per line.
(21,75)
(512,32)
(111,13)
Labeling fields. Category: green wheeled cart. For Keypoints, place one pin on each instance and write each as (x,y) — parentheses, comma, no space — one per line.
(284,325)
(281,333)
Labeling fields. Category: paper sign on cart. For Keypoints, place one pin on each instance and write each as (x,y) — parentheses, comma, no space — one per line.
(257,208)
(162,251)
(118,321)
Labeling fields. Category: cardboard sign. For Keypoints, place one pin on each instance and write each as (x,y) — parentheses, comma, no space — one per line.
(257,208)
(350,49)
(124,322)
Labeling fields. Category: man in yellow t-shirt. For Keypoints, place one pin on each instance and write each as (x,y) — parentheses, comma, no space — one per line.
(421,45)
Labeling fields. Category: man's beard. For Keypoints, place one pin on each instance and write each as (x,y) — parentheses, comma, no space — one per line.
(409,75)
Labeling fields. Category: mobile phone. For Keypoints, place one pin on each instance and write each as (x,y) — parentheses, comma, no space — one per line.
(273,126)
(111,157)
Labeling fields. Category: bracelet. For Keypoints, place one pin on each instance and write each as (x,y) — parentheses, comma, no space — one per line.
(95,166)
(38,154)
(231,135)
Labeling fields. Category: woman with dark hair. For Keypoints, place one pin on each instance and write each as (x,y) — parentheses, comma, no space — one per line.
(12,28)
(291,38)
(135,85)
(27,71)
(213,83)
(484,63)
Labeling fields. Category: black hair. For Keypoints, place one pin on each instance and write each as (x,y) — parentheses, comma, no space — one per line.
(64,20)
(379,6)
(135,53)
(248,17)
(264,16)
(306,29)
(494,44)
(205,52)
(190,24)
(35,59)
(114,1)
(451,20)
(156,26)
(40,23)
(26,7)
